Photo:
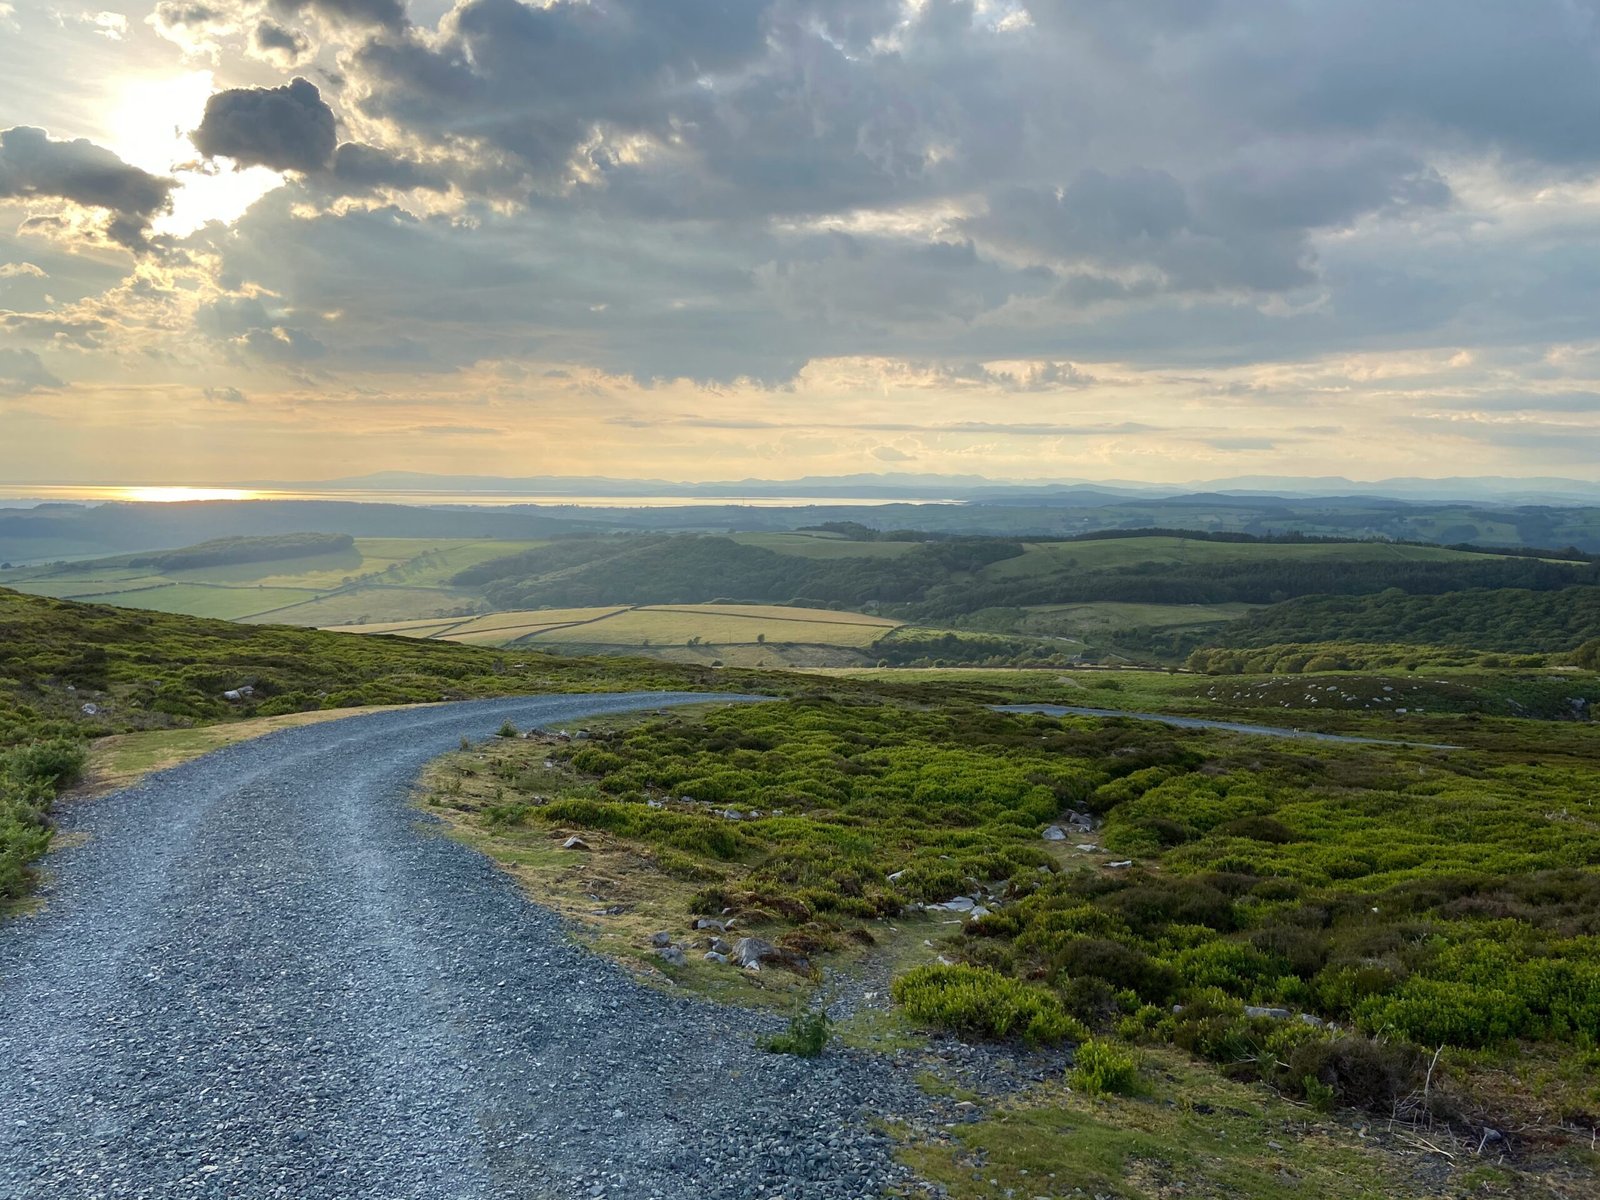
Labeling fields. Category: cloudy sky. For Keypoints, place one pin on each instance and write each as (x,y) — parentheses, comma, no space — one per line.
(1145,239)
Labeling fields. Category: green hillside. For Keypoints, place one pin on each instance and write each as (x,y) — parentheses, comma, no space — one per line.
(72,671)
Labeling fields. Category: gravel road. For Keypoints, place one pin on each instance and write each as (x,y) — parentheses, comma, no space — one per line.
(262,974)
(1309,735)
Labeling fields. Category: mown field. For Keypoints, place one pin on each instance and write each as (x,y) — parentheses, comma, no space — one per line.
(721,634)
(1405,933)
(372,579)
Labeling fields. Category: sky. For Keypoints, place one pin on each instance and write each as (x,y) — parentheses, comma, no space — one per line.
(1163,240)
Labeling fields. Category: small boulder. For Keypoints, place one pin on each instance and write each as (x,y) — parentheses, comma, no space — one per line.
(751,952)
(1127,862)
(672,955)
(1054,833)
(714,956)
(575,843)
(1276,1014)
(959,904)
(711,923)
(718,946)
(90,710)
(661,938)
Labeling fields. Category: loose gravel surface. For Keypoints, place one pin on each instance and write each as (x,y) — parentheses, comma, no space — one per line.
(264,974)
(1309,735)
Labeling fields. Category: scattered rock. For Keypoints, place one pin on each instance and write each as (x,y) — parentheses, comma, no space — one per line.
(1054,833)
(1275,1014)
(718,946)
(661,938)
(575,843)
(750,953)
(715,956)
(672,955)
(958,904)
(1087,847)
(711,923)
(90,710)
(1126,862)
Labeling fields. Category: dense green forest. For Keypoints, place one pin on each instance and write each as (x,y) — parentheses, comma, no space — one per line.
(223,552)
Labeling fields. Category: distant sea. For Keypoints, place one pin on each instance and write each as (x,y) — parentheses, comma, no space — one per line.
(20,495)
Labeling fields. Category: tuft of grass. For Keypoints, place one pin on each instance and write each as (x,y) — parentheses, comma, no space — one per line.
(807,1035)
(507,730)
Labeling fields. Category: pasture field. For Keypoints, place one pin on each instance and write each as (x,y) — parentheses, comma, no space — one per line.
(707,631)
(1099,620)
(203,600)
(377,579)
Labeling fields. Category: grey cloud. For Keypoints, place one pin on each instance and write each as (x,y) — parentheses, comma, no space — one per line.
(289,128)
(284,46)
(1002,428)
(387,14)
(226,395)
(244,324)
(21,372)
(360,168)
(32,164)
(890,454)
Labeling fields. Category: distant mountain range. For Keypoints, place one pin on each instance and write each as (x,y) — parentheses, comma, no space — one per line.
(1498,489)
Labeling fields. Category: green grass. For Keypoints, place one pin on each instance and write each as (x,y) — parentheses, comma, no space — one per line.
(715,626)
(204,600)
(1215,1138)
(378,579)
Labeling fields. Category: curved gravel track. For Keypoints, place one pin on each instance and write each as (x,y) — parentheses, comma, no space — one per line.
(262,974)
(1307,735)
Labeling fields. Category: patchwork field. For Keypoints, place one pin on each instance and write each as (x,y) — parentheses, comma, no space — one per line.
(373,580)
(732,633)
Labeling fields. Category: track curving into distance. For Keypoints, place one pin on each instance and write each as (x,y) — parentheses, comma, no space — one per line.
(262,974)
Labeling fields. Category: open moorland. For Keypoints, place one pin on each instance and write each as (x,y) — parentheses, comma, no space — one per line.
(1367,958)
(1390,936)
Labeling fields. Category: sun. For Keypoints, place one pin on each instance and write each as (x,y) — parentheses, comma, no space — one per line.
(148,125)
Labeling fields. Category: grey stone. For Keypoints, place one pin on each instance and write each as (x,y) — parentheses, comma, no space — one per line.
(751,952)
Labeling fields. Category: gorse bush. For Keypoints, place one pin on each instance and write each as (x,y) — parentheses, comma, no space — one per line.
(984,1003)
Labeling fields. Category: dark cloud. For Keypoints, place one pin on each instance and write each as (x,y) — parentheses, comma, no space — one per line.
(358,168)
(284,46)
(387,14)
(32,164)
(289,128)
(246,326)
(21,372)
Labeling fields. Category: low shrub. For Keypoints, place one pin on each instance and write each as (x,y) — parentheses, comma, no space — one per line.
(981,1002)
(1102,1068)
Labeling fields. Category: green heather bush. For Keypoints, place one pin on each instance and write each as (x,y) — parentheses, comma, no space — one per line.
(1102,1068)
(981,1002)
